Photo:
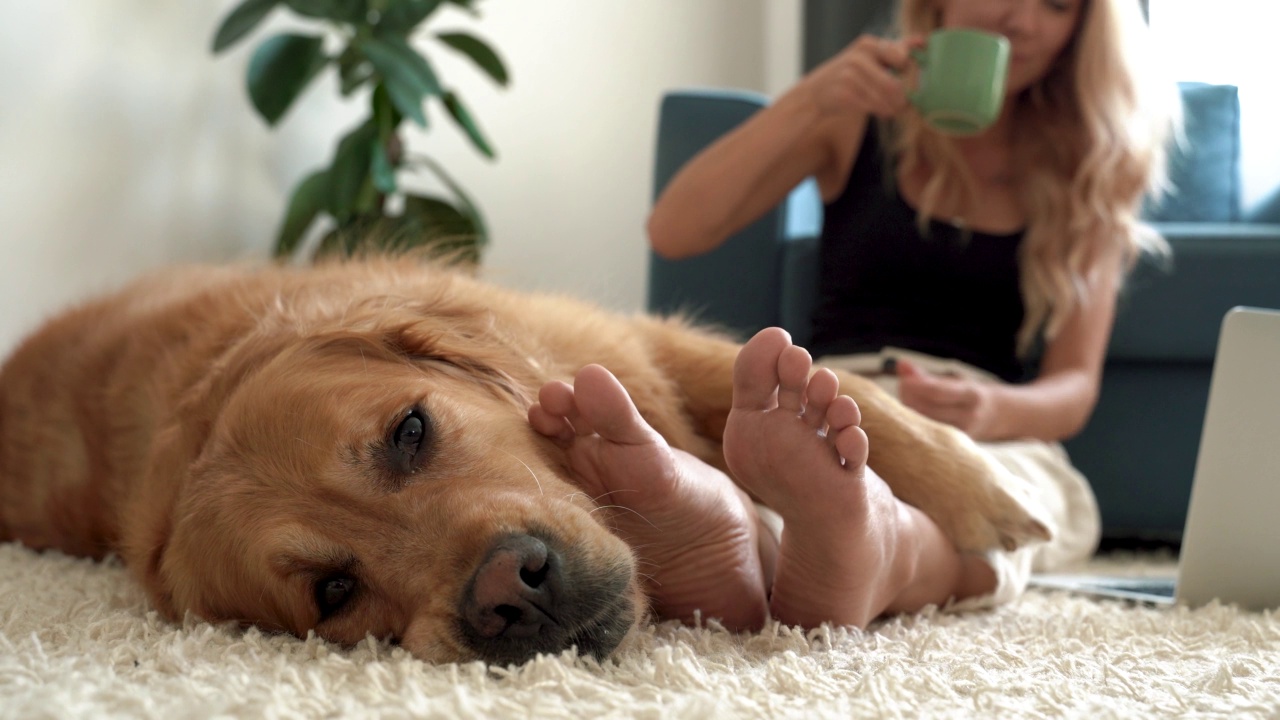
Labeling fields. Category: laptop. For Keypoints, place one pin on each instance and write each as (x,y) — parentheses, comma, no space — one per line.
(1231,540)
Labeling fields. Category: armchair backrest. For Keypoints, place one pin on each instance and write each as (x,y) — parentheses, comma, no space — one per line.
(764,275)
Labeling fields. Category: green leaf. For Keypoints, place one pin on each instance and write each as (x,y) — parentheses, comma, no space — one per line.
(365,231)
(463,117)
(241,22)
(407,75)
(465,203)
(350,169)
(280,70)
(349,11)
(479,52)
(427,222)
(434,214)
(307,202)
(353,70)
(368,200)
(432,222)
(332,243)
(468,5)
(385,118)
(384,175)
(347,237)
(385,115)
(402,16)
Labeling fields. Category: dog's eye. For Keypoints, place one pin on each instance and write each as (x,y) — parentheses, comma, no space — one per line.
(409,440)
(332,593)
(409,433)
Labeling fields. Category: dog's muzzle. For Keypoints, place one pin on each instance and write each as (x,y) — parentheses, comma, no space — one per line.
(528,596)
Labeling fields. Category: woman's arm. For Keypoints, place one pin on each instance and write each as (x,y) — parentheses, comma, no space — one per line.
(813,129)
(1054,406)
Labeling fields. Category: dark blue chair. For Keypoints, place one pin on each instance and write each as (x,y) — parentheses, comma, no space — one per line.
(764,275)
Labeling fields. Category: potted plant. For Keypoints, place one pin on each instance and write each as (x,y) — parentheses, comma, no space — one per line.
(360,188)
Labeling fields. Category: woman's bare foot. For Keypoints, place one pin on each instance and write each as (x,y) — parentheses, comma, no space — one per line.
(847,550)
(695,532)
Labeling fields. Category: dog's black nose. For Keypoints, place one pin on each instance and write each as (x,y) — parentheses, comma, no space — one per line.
(530,595)
(513,594)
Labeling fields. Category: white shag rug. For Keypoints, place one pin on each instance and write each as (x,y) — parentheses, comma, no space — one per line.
(77,640)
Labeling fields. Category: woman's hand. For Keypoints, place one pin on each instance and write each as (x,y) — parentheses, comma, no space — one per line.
(865,78)
(963,402)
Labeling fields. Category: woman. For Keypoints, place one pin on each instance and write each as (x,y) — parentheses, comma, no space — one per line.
(1062,171)
(955,257)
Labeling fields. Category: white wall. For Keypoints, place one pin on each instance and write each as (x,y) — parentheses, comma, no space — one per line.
(126,146)
(1233,44)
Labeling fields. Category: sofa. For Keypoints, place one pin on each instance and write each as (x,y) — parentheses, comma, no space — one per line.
(1139,447)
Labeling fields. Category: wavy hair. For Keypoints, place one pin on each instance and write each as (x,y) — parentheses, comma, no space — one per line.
(1089,144)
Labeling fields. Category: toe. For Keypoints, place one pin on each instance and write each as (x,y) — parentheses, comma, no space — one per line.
(851,443)
(793,376)
(556,427)
(556,397)
(605,404)
(823,387)
(755,372)
(842,413)
(557,411)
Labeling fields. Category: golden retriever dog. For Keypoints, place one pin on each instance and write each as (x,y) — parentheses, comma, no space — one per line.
(345,448)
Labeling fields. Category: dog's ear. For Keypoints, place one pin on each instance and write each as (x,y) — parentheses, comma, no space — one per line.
(147,512)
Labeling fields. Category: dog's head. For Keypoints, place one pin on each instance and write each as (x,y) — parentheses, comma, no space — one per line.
(380,479)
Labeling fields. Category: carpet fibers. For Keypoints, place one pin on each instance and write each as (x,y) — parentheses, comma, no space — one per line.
(77,639)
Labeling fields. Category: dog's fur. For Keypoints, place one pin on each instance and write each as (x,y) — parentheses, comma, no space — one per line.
(231,433)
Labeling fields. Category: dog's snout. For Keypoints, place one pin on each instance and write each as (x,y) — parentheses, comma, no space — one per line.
(533,594)
(513,593)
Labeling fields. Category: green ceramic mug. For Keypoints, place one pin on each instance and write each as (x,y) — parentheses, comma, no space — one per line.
(960,87)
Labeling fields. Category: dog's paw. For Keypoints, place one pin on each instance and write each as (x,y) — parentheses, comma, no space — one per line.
(995,513)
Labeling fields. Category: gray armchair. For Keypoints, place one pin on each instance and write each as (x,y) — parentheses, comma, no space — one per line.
(1139,447)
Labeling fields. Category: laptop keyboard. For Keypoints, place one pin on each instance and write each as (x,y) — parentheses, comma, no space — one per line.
(1163,587)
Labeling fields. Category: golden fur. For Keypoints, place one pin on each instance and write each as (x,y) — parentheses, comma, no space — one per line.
(225,431)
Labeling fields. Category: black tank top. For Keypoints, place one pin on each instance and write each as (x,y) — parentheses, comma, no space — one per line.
(950,293)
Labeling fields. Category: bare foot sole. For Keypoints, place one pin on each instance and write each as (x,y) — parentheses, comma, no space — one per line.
(694,531)
(795,444)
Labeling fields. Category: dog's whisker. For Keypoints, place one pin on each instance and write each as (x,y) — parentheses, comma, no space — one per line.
(572,495)
(652,579)
(604,494)
(624,507)
(644,563)
(612,492)
(532,474)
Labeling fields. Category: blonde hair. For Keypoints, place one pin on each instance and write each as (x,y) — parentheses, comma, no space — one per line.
(1089,142)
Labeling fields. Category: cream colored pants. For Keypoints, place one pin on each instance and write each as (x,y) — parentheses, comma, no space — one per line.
(1050,479)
